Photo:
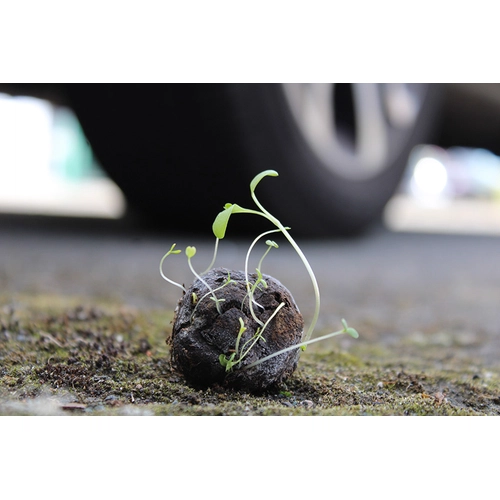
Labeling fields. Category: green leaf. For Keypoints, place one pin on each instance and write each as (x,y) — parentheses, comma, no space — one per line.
(171,251)
(240,210)
(215,299)
(259,177)
(353,333)
(190,252)
(223,360)
(271,243)
(220,223)
(228,363)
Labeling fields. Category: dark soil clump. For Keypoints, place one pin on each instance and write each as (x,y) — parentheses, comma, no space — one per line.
(201,333)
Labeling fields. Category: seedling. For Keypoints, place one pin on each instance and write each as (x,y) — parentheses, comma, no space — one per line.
(234,359)
(191,252)
(220,225)
(260,281)
(197,301)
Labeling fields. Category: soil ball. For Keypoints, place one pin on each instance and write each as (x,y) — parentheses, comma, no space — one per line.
(201,333)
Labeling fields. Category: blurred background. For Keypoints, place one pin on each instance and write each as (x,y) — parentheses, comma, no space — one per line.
(46,165)
(416,157)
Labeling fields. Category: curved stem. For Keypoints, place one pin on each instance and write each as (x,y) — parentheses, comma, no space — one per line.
(212,292)
(214,257)
(313,280)
(240,333)
(257,337)
(296,346)
(308,267)
(259,265)
(162,273)
(251,247)
(216,300)
(249,289)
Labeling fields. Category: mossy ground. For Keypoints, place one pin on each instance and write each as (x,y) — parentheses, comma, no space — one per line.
(62,355)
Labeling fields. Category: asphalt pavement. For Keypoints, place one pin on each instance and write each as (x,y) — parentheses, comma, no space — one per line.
(389,285)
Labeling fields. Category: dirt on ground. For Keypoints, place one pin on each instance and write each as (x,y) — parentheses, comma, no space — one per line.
(66,356)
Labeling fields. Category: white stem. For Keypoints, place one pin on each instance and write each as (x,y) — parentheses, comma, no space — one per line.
(165,277)
(251,300)
(250,249)
(296,346)
(206,284)
(296,247)
(214,257)
(262,331)
(314,283)
(211,292)
(259,265)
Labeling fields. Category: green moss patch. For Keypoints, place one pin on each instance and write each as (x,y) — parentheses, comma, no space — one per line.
(64,356)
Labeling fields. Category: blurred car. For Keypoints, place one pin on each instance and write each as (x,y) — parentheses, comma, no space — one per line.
(436,175)
(179,152)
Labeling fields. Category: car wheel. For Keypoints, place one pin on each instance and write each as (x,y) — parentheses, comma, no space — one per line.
(342,148)
(179,152)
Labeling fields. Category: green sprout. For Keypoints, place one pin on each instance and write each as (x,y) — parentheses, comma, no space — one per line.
(212,292)
(270,244)
(220,225)
(346,329)
(260,280)
(228,362)
(170,252)
(219,228)
(258,334)
(190,253)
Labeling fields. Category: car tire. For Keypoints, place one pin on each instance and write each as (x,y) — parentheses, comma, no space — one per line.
(180,152)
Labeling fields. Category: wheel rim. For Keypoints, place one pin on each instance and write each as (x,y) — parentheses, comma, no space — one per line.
(356,130)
